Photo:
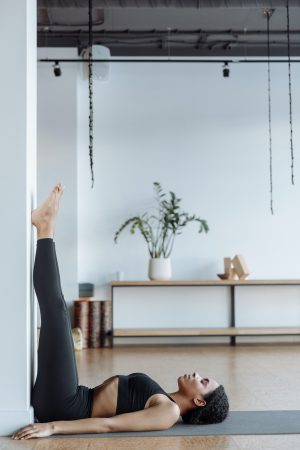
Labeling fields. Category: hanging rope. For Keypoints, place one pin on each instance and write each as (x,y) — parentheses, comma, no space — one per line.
(91,108)
(290,90)
(268,13)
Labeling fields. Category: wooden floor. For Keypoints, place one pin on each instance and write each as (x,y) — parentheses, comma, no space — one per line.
(256,377)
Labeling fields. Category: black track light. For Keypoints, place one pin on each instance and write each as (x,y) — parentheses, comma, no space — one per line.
(226,70)
(57,69)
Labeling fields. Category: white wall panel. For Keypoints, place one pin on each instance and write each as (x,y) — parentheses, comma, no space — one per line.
(268,306)
(167,307)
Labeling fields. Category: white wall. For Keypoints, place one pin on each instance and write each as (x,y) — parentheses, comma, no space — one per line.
(204,137)
(18,187)
(57,158)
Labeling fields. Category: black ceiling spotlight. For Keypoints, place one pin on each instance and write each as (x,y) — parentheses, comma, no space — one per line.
(226,70)
(56,69)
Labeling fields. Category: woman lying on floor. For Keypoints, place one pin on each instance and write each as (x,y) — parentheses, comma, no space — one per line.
(131,402)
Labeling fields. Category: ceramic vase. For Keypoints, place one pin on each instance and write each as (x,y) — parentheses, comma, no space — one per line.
(160,269)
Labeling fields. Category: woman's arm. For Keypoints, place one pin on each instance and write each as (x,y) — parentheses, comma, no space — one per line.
(90,425)
(158,417)
(35,430)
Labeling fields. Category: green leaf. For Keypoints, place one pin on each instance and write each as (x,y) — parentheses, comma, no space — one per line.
(170,222)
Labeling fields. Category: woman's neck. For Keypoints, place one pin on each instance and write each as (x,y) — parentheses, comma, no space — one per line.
(185,404)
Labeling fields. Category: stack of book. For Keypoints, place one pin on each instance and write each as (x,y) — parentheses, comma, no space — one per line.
(94,318)
(106,324)
(94,324)
(81,319)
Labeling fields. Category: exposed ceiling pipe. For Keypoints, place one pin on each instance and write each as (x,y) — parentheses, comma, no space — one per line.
(173,60)
(154,33)
(168,3)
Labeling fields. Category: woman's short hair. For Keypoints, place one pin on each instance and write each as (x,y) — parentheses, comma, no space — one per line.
(215,410)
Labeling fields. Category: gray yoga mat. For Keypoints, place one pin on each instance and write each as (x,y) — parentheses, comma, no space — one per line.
(237,422)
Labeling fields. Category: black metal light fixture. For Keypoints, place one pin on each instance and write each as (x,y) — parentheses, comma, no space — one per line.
(56,69)
(226,70)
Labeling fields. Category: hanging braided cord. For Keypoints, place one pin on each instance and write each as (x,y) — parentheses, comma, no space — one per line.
(268,14)
(290,90)
(91,108)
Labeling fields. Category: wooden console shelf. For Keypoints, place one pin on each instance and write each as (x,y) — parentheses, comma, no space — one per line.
(207,283)
(232,331)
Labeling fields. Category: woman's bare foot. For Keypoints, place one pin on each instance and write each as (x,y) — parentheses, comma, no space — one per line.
(43,217)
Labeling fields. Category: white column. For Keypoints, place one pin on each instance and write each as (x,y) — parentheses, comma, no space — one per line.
(18,194)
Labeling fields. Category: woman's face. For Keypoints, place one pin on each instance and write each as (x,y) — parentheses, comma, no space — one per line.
(193,385)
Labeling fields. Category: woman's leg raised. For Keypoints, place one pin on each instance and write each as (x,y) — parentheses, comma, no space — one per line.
(57,378)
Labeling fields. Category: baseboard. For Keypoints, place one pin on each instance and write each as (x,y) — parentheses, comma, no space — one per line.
(11,421)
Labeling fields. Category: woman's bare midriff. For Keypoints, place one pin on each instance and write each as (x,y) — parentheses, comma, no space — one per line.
(105,398)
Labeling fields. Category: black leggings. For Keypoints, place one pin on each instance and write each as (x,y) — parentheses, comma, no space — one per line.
(56,394)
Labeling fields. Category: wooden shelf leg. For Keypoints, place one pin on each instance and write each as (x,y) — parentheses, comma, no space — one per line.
(232,313)
(112,316)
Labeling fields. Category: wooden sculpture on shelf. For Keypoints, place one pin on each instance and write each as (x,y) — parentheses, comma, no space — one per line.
(240,267)
(234,269)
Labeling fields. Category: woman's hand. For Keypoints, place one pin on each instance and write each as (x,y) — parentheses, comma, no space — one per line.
(34,430)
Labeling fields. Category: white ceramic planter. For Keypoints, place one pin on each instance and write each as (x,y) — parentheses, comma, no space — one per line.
(160,269)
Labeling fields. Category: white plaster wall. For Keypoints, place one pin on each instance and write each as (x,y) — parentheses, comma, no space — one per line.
(204,137)
(57,158)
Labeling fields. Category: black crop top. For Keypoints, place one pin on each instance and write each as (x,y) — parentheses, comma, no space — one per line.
(134,390)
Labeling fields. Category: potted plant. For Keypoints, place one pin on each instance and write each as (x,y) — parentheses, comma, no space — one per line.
(169,221)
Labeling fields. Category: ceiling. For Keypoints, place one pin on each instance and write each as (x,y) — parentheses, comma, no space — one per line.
(158,28)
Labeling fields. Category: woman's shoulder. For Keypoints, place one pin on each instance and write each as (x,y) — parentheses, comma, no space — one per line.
(161,398)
